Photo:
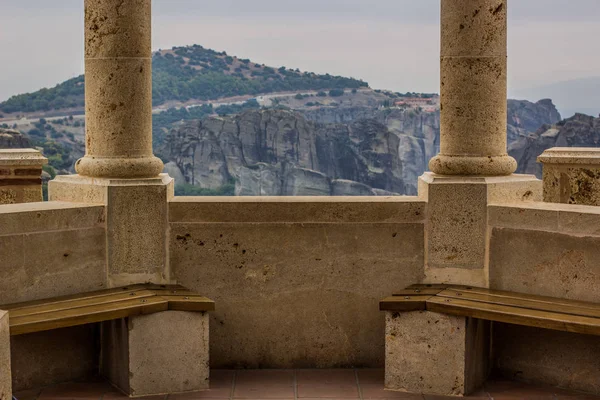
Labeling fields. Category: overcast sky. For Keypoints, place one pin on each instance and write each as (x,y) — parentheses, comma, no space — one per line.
(392,44)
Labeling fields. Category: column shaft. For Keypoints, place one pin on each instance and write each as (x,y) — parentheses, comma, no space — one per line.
(473,89)
(118,90)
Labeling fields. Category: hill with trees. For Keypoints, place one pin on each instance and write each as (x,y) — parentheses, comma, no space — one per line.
(190,73)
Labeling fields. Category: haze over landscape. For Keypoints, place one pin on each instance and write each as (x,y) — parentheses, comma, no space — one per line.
(393,45)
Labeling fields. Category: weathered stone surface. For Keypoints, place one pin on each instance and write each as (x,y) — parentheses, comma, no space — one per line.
(47,264)
(136,224)
(457,238)
(49,216)
(161,353)
(546,249)
(5,369)
(561,359)
(577,131)
(118,95)
(210,153)
(549,217)
(399,209)
(545,263)
(46,358)
(277,152)
(11,139)
(289,294)
(47,250)
(20,172)
(427,352)
(571,175)
(473,90)
(174,172)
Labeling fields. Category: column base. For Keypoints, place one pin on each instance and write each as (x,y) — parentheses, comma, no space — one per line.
(157,354)
(474,166)
(136,222)
(437,354)
(456,239)
(5,371)
(123,168)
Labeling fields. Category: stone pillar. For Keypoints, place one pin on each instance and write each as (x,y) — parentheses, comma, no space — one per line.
(161,353)
(118,91)
(20,176)
(473,168)
(119,169)
(5,370)
(572,175)
(473,89)
(438,354)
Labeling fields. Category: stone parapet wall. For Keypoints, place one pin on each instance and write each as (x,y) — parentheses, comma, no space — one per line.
(20,176)
(551,250)
(296,281)
(571,175)
(52,249)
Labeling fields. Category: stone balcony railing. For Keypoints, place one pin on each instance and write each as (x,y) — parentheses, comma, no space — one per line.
(297,281)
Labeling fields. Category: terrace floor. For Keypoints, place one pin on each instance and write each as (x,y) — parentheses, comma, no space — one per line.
(306,384)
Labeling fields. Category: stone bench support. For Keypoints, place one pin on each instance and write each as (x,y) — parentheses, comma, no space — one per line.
(162,353)
(5,375)
(432,353)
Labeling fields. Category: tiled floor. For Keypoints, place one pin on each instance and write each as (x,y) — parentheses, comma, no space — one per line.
(339,384)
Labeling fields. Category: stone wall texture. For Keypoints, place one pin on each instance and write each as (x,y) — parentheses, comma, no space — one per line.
(47,250)
(296,282)
(552,250)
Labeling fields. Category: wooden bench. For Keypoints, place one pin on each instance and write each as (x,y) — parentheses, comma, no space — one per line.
(499,306)
(454,322)
(132,317)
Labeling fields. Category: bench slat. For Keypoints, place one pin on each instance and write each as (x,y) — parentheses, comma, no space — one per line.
(80,302)
(404,303)
(97,293)
(525,301)
(526,297)
(85,315)
(418,292)
(515,315)
(189,303)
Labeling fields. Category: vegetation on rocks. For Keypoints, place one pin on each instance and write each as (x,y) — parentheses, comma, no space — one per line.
(191,73)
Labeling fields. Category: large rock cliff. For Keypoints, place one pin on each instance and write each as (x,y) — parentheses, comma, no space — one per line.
(278,152)
(325,150)
(578,131)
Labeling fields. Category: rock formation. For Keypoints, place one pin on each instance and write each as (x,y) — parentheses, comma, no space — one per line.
(326,150)
(279,152)
(11,139)
(578,131)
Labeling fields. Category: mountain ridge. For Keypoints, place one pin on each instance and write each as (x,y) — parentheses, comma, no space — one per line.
(190,72)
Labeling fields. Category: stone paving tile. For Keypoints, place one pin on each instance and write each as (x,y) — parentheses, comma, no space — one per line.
(377,392)
(374,376)
(364,384)
(76,391)
(502,389)
(328,390)
(326,376)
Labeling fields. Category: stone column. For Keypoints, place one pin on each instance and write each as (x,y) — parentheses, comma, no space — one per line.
(20,176)
(571,175)
(119,169)
(473,168)
(473,89)
(118,91)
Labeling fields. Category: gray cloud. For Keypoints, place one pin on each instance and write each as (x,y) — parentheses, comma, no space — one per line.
(390,43)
